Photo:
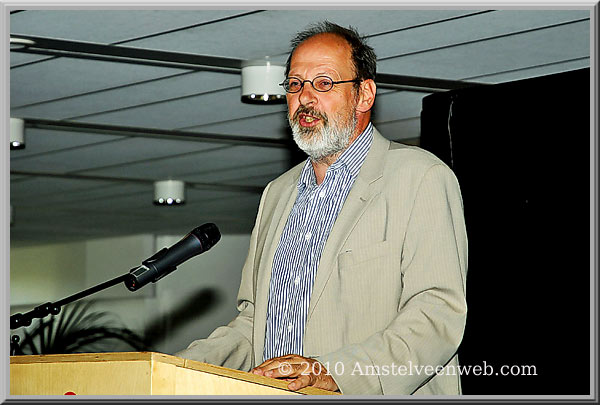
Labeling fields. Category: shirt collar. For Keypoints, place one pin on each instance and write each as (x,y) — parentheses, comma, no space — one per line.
(351,159)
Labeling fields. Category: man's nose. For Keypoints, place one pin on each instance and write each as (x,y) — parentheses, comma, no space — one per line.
(307,95)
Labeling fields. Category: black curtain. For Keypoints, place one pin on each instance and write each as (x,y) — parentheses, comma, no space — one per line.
(521,152)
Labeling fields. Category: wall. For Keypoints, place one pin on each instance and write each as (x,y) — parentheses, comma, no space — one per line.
(185,305)
(43,273)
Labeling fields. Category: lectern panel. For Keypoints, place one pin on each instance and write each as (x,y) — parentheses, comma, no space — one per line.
(136,373)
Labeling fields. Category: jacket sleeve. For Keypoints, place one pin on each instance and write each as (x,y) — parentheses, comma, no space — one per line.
(231,345)
(429,324)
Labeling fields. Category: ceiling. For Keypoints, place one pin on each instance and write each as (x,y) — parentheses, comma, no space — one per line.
(104,118)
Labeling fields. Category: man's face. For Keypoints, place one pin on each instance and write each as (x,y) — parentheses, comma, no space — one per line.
(323,123)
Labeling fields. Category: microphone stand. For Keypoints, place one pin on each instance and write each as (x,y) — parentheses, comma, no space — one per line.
(19,320)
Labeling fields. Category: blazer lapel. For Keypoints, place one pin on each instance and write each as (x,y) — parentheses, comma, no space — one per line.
(364,189)
(282,210)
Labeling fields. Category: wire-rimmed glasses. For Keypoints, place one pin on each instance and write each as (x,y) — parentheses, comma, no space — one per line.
(319,83)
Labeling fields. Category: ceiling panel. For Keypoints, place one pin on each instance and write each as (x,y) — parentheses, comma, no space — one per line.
(158,90)
(18,58)
(110,154)
(16,177)
(94,192)
(196,195)
(133,199)
(536,71)
(46,140)
(239,174)
(473,28)
(34,190)
(237,158)
(206,108)
(132,211)
(196,167)
(259,35)
(271,125)
(518,51)
(107,26)
(63,77)
(258,181)
(247,202)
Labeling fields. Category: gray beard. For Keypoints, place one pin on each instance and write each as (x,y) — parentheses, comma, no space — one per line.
(330,140)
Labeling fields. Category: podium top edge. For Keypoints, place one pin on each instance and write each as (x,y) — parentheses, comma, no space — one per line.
(93,357)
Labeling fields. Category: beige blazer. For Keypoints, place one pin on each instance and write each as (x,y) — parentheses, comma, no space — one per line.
(388,303)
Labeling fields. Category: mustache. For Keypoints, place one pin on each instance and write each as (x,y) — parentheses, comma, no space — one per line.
(309,111)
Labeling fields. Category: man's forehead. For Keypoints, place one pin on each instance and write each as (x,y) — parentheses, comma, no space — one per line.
(323,49)
(323,40)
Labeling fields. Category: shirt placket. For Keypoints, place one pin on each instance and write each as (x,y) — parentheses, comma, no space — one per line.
(291,319)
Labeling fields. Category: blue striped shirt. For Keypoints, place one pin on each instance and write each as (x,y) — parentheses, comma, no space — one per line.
(302,241)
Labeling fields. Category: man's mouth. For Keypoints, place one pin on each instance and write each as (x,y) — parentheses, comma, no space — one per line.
(308,120)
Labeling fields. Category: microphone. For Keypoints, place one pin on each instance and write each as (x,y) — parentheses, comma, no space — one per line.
(166,260)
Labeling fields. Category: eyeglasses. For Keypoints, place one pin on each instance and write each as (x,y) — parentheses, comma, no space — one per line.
(319,83)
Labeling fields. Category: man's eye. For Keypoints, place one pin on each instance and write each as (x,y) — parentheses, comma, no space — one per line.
(324,83)
(294,83)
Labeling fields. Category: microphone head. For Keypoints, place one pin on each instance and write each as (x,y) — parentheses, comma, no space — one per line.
(207,234)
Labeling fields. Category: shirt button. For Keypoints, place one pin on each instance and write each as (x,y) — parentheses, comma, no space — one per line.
(322,194)
(297,280)
(308,235)
(290,327)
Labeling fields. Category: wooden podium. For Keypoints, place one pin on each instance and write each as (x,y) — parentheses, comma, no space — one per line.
(137,373)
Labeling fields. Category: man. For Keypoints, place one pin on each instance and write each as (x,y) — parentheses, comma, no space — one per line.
(355,276)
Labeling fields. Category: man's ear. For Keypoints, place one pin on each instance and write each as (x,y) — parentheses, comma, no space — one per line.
(366,96)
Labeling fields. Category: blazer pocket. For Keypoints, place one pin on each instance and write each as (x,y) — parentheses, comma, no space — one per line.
(354,256)
(369,286)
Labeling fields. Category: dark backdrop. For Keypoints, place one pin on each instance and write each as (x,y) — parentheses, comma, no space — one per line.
(521,152)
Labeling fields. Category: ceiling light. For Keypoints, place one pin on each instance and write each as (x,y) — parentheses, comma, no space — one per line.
(20,43)
(260,82)
(169,192)
(17,133)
